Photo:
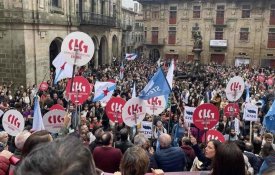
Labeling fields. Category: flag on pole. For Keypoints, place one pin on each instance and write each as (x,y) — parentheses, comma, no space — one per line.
(158,62)
(134,93)
(247,98)
(170,74)
(269,119)
(103,91)
(121,71)
(37,123)
(63,70)
(157,86)
(130,56)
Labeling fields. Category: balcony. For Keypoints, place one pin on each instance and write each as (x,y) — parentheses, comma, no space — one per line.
(159,42)
(88,18)
(127,27)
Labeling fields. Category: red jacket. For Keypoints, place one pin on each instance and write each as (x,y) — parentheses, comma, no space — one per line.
(4,165)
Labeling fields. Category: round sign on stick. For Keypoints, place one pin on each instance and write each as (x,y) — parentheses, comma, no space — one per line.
(80,92)
(232,109)
(114,109)
(58,107)
(234,88)
(78,48)
(13,122)
(43,86)
(213,135)
(206,116)
(54,120)
(133,112)
(155,105)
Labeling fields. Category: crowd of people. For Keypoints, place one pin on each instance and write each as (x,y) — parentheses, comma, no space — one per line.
(96,145)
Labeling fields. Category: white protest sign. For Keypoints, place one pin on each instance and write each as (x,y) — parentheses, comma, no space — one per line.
(78,48)
(234,88)
(13,122)
(155,105)
(133,112)
(250,112)
(146,129)
(54,120)
(188,114)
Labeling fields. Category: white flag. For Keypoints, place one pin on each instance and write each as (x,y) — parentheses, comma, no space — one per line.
(63,69)
(170,74)
(104,91)
(134,93)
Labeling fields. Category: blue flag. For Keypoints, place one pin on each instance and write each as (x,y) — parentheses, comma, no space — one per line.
(269,119)
(157,86)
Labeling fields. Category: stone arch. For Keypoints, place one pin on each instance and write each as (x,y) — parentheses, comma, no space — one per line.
(103,51)
(54,50)
(115,46)
(154,54)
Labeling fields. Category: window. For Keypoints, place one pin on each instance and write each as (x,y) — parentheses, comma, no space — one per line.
(196,11)
(56,3)
(172,35)
(220,14)
(155,15)
(244,32)
(173,15)
(246,11)
(155,34)
(219,33)
(272,15)
(271,38)
(145,33)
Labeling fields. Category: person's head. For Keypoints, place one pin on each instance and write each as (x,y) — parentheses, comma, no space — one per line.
(186,141)
(268,137)
(67,156)
(35,139)
(141,140)
(123,134)
(232,132)
(211,148)
(228,160)
(98,133)
(165,140)
(249,147)
(4,137)
(107,139)
(240,144)
(135,161)
(21,138)
(159,125)
(267,149)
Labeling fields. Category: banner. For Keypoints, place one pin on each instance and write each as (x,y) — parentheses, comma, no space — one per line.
(188,114)
(146,129)
(250,112)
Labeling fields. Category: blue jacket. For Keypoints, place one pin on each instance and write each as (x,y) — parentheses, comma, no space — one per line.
(171,159)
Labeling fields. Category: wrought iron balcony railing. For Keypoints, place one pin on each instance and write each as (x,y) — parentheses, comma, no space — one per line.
(96,19)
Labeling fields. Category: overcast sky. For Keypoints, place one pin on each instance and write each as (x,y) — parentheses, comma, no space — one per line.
(128,3)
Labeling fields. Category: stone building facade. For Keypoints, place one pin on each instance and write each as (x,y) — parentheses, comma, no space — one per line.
(232,31)
(32,31)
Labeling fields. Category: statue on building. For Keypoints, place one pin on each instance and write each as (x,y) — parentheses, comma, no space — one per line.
(197,39)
